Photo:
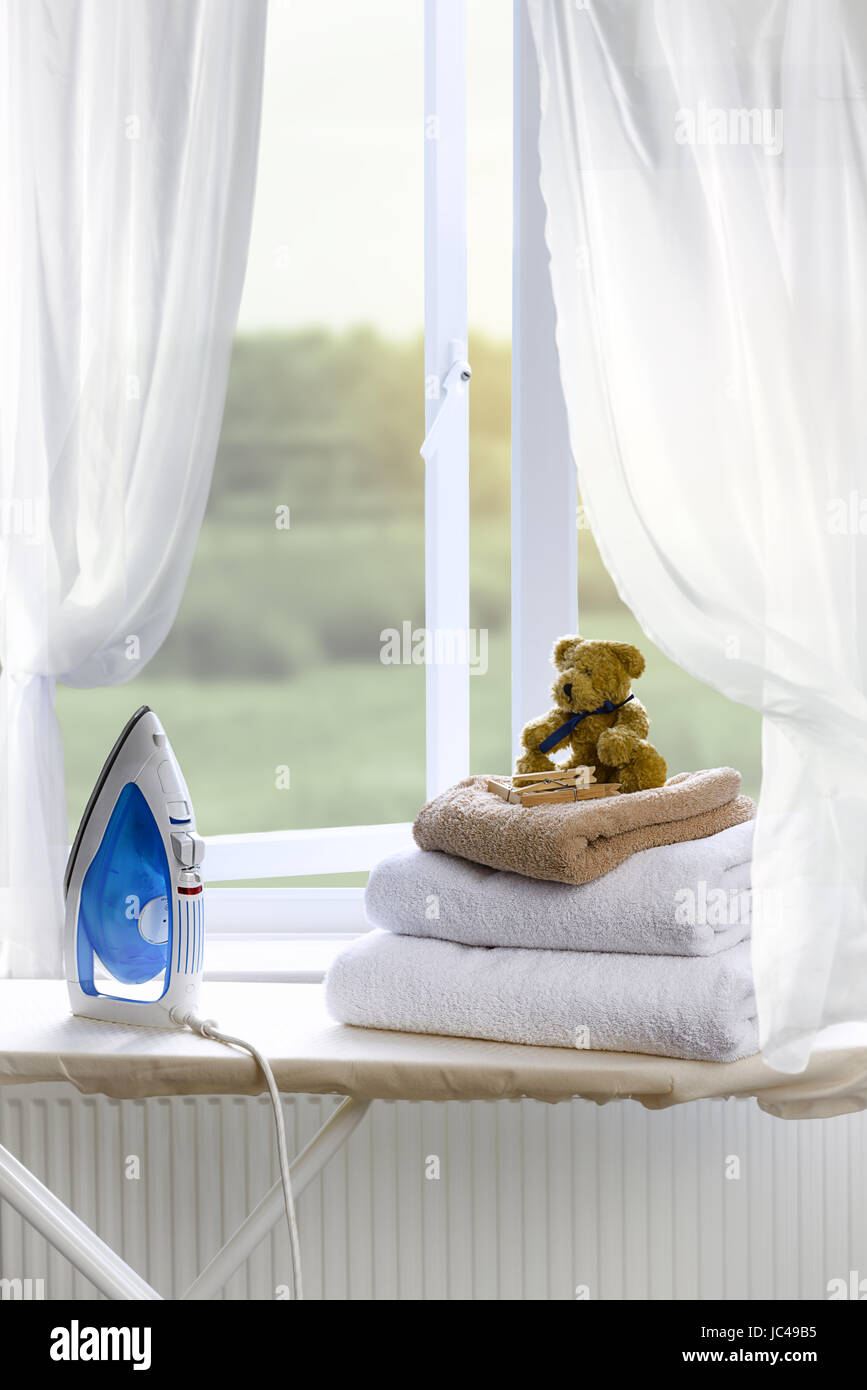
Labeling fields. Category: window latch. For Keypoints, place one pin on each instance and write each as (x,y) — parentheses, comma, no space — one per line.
(451,388)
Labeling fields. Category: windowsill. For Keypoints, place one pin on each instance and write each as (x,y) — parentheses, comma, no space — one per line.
(295,959)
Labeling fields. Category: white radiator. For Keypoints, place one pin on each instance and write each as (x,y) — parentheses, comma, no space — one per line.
(712,1200)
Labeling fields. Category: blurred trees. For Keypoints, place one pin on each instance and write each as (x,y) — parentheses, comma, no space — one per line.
(330,426)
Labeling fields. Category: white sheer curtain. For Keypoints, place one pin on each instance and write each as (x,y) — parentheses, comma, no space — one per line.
(128,142)
(704,167)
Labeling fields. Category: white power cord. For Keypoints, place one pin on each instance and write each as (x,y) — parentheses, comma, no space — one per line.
(207,1028)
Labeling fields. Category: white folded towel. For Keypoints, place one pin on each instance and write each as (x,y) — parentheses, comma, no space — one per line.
(670,1006)
(689,899)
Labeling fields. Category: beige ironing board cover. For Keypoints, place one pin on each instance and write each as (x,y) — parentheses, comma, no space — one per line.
(40,1041)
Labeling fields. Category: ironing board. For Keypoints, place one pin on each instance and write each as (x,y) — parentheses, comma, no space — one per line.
(40,1041)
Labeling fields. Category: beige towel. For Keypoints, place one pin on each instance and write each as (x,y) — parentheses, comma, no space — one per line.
(578,842)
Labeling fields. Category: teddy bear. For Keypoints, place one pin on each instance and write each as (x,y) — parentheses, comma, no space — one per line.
(595,715)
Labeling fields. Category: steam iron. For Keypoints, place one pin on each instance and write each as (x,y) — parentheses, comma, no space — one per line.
(134,938)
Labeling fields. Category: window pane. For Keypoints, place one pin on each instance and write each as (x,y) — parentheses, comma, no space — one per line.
(271,685)
(692,725)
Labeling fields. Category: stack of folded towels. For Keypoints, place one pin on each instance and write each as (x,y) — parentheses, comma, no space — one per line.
(619,924)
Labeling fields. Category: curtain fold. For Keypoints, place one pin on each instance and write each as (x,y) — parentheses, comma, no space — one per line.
(128,143)
(704,169)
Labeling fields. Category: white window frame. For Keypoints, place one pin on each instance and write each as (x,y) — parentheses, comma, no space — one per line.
(544,505)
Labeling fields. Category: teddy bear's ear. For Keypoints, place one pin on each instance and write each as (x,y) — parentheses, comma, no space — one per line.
(564,651)
(629,656)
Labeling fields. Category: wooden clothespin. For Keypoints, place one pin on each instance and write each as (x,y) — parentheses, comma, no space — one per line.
(551,788)
(567,776)
(549,796)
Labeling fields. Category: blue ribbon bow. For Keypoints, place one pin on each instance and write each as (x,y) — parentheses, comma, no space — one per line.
(566,729)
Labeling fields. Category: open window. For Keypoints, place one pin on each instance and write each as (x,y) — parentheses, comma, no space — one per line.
(317,681)
(343,650)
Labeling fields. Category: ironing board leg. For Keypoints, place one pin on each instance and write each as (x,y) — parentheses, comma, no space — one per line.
(309,1163)
(68,1233)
